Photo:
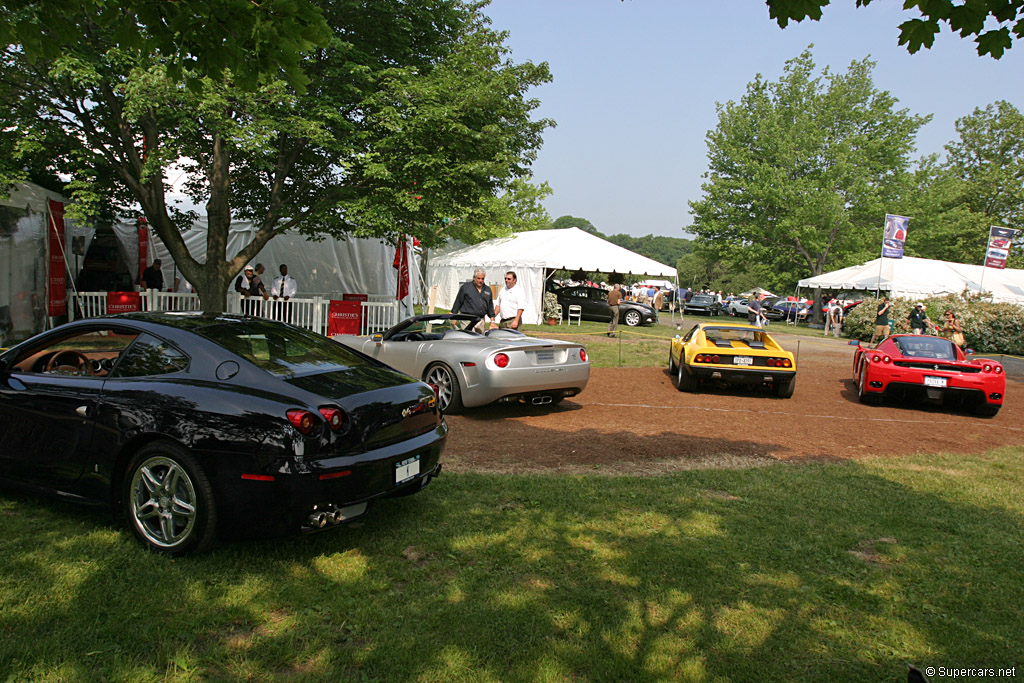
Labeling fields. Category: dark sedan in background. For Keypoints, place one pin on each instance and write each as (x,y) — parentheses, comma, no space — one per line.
(593,303)
(797,311)
(193,425)
(703,304)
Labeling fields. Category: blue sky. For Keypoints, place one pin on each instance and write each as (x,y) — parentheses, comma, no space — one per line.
(636,82)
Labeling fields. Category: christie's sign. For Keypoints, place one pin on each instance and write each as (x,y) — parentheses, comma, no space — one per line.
(123,302)
(344,317)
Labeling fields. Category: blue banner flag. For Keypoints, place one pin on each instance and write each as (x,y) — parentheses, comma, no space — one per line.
(895,236)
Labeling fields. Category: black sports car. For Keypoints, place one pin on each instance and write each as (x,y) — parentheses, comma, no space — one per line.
(593,303)
(195,425)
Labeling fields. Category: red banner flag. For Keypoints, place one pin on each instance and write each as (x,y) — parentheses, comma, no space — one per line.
(401,263)
(143,234)
(58,300)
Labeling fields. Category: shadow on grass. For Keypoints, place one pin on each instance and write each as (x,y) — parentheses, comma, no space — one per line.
(813,572)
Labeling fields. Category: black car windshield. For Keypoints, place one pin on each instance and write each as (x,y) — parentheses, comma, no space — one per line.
(702,299)
(926,347)
(281,350)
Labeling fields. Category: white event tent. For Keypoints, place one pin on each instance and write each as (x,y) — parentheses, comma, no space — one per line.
(912,277)
(530,255)
(327,268)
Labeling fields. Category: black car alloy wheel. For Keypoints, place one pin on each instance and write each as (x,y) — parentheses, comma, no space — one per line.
(168,500)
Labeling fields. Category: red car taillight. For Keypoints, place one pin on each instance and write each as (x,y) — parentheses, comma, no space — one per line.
(501,360)
(583,355)
(335,417)
(986,368)
(999,369)
(302,420)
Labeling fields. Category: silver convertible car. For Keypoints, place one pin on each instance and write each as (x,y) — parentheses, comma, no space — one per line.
(472,369)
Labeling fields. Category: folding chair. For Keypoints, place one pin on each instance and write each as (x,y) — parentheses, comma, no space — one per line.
(577,311)
(559,306)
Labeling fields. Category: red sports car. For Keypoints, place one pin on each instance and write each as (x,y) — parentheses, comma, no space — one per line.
(926,367)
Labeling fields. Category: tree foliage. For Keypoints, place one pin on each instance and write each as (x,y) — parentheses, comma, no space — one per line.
(415,121)
(802,170)
(257,42)
(980,184)
(663,249)
(992,23)
(563,222)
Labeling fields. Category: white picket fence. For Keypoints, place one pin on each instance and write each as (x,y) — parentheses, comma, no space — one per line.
(380,312)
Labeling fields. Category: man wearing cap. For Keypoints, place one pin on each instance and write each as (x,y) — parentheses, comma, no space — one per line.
(918,318)
(152,277)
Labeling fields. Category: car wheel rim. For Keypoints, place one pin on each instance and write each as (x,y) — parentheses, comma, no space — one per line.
(443,380)
(632,318)
(163,502)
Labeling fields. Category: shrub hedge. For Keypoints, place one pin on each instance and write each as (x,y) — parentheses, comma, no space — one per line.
(988,327)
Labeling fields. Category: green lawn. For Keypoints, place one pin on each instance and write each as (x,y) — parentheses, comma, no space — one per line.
(813,572)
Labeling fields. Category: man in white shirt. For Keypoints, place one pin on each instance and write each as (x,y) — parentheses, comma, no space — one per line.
(285,287)
(508,309)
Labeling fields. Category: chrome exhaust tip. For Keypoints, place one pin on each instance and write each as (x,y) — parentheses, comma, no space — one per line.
(318,520)
(337,515)
(541,400)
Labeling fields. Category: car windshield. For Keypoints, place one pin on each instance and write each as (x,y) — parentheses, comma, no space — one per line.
(437,326)
(280,349)
(701,299)
(731,334)
(926,347)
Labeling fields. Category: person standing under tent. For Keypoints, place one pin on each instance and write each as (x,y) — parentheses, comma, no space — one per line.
(510,305)
(284,286)
(153,277)
(614,299)
(918,318)
(475,298)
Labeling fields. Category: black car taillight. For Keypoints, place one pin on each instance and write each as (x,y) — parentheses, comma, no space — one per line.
(302,420)
(336,418)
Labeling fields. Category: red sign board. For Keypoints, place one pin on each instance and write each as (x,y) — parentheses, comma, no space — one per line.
(58,302)
(123,302)
(345,317)
(143,247)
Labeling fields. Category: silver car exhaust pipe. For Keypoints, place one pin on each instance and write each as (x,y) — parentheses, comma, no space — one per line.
(337,515)
(318,520)
(541,400)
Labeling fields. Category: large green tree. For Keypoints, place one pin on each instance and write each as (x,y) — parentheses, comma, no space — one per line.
(991,23)
(563,222)
(258,42)
(414,121)
(801,170)
(980,184)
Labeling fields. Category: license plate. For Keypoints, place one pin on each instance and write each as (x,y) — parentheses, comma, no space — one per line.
(545,356)
(934,381)
(743,360)
(407,469)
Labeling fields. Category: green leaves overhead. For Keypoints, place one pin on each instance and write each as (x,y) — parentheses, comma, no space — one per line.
(1004,19)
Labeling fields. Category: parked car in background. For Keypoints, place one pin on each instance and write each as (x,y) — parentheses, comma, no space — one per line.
(198,425)
(731,353)
(703,304)
(472,369)
(593,302)
(797,311)
(737,307)
(923,367)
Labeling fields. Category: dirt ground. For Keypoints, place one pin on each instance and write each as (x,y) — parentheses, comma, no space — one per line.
(634,421)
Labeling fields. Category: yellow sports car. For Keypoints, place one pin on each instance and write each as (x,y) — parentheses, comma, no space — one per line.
(733,353)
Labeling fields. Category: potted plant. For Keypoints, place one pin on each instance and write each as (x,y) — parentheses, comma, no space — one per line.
(551,307)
